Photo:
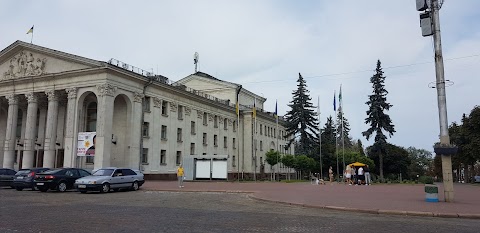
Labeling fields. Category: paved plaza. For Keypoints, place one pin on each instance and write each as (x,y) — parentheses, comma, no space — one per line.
(400,199)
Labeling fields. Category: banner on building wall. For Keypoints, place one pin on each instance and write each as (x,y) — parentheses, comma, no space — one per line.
(86,143)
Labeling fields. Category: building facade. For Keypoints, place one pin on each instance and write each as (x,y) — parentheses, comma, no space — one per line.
(141,120)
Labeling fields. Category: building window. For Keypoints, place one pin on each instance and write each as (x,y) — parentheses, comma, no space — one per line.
(180,112)
(265,130)
(146,104)
(233,161)
(164,132)
(225,124)
(261,145)
(145,129)
(204,153)
(178,159)
(179,135)
(274,133)
(261,160)
(91,117)
(163,157)
(145,156)
(234,126)
(192,127)
(215,122)
(165,108)
(90,159)
(261,131)
(215,143)
(234,144)
(205,118)
(205,139)
(192,148)
(20,119)
(225,142)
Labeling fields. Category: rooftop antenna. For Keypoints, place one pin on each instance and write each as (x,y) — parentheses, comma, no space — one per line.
(195,60)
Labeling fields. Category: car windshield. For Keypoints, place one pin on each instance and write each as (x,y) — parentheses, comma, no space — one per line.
(50,171)
(103,172)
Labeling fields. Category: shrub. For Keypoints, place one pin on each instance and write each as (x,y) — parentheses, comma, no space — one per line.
(425,179)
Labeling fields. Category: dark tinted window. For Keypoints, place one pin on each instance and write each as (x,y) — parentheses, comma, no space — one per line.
(83,172)
(71,172)
(103,172)
(3,171)
(11,172)
(128,172)
(23,172)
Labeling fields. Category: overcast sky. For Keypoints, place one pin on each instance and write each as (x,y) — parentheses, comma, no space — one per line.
(263,45)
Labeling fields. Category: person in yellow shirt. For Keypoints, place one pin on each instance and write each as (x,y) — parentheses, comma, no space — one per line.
(180,174)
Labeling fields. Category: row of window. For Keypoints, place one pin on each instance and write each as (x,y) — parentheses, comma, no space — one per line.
(271,132)
(163,134)
(178,157)
(180,108)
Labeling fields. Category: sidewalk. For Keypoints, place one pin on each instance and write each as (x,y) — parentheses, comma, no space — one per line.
(376,199)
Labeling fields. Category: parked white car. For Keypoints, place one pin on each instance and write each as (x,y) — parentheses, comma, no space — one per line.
(111,178)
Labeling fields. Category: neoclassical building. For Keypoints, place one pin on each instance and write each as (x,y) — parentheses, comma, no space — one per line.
(141,120)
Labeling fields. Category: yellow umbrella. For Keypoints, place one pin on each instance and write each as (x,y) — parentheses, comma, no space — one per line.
(357,164)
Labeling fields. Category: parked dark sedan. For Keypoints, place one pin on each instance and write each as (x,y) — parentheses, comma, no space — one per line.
(24,178)
(59,179)
(6,177)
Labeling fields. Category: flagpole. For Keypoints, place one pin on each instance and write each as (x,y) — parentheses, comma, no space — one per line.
(31,39)
(320,137)
(343,131)
(336,139)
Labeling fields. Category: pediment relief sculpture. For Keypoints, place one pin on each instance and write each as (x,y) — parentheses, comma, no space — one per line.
(157,102)
(173,106)
(25,64)
(199,114)
(188,111)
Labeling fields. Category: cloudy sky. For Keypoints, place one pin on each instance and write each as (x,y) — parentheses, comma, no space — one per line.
(263,45)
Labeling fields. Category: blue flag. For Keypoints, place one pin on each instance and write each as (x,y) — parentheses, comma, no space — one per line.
(334,101)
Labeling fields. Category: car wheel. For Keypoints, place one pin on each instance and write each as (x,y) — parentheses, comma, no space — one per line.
(62,187)
(19,189)
(135,186)
(105,188)
(43,189)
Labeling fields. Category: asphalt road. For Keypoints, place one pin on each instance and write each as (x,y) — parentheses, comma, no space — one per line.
(149,211)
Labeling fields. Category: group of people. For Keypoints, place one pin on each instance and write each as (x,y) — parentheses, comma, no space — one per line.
(357,176)
(353,175)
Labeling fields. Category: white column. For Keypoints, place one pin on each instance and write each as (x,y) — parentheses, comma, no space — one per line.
(51,130)
(29,142)
(70,125)
(135,132)
(10,137)
(103,145)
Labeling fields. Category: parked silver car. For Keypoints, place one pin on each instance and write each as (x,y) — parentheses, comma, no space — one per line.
(111,178)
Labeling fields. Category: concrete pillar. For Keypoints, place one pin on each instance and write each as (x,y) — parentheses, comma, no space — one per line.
(135,132)
(10,137)
(103,144)
(51,130)
(29,141)
(70,125)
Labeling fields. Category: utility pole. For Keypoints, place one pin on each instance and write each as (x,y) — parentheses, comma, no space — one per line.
(444,148)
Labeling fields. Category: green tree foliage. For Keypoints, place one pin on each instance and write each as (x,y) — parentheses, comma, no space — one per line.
(345,130)
(304,164)
(467,137)
(359,147)
(378,120)
(288,161)
(396,159)
(420,162)
(301,120)
(272,157)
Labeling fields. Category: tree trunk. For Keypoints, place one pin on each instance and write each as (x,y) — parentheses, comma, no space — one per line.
(381,167)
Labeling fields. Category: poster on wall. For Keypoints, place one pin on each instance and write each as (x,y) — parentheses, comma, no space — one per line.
(86,143)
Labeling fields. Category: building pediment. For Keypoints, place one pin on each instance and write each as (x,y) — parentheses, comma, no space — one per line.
(21,60)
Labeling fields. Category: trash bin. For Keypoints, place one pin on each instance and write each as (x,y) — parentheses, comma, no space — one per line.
(431,193)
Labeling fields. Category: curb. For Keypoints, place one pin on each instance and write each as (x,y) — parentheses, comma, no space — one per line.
(374,211)
(196,191)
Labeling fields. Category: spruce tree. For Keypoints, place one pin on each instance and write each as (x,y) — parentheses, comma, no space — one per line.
(301,120)
(378,120)
(345,130)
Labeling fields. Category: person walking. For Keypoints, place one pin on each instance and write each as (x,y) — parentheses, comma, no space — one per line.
(330,174)
(180,174)
(367,175)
